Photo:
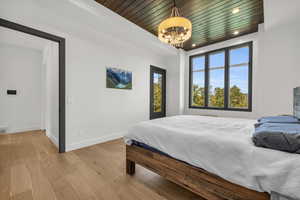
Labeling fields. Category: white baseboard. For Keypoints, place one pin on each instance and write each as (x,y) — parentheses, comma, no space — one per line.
(20,130)
(91,142)
(53,139)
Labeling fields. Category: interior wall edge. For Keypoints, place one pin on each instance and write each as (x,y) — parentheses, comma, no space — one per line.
(52,137)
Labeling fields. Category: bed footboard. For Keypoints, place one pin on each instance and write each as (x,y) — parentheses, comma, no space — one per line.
(199,181)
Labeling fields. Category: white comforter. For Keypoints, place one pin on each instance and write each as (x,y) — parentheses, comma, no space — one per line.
(222,146)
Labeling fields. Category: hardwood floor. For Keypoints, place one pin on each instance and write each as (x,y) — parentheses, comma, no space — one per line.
(31,168)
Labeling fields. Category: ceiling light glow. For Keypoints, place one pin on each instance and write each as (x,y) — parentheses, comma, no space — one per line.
(176,29)
(235,10)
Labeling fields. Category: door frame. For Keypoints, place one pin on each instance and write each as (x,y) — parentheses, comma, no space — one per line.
(164,73)
(62,66)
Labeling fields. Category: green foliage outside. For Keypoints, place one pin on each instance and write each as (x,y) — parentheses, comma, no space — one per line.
(237,99)
(216,98)
(198,95)
(157,97)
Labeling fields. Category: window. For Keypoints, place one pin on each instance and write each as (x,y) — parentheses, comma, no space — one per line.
(222,79)
(157,92)
(198,67)
(216,74)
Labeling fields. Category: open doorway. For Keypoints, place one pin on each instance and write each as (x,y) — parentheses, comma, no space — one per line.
(55,44)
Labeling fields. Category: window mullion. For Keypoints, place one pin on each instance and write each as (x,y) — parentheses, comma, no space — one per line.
(226,87)
(250,76)
(191,81)
(206,79)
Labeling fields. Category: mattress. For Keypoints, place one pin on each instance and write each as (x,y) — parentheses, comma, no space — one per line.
(222,146)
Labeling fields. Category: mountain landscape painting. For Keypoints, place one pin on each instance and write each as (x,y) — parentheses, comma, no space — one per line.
(118,78)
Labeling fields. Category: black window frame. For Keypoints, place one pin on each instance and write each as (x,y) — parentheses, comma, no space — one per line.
(226,78)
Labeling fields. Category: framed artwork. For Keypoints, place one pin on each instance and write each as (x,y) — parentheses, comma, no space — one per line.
(118,78)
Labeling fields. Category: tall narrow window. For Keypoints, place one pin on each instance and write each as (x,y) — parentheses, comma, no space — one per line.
(157,92)
(198,84)
(216,79)
(239,77)
(222,79)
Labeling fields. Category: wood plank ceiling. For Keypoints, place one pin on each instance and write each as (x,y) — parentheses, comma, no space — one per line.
(213,20)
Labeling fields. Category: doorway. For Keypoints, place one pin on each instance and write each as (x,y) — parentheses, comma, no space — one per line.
(157,92)
(61,57)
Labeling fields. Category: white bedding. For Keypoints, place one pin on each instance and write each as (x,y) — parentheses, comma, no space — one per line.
(222,146)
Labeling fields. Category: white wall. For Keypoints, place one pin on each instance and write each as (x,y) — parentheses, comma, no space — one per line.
(96,113)
(278,12)
(279,63)
(93,112)
(50,95)
(275,71)
(20,69)
(173,83)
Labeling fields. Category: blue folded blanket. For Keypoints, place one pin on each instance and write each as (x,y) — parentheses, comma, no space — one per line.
(279,136)
(277,119)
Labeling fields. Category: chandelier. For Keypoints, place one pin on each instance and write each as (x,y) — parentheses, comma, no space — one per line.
(175,30)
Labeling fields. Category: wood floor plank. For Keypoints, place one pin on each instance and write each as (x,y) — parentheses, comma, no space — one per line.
(5,166)
(4,183)
(23,196)
(20,180)
(63,190)
(42,188)
(82,189)
(32,169)
(56,169)
(101,187)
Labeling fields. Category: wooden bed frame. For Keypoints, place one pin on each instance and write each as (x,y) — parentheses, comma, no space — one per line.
(197,180)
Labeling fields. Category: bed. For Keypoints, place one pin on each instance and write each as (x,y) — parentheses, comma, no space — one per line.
(213,157)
